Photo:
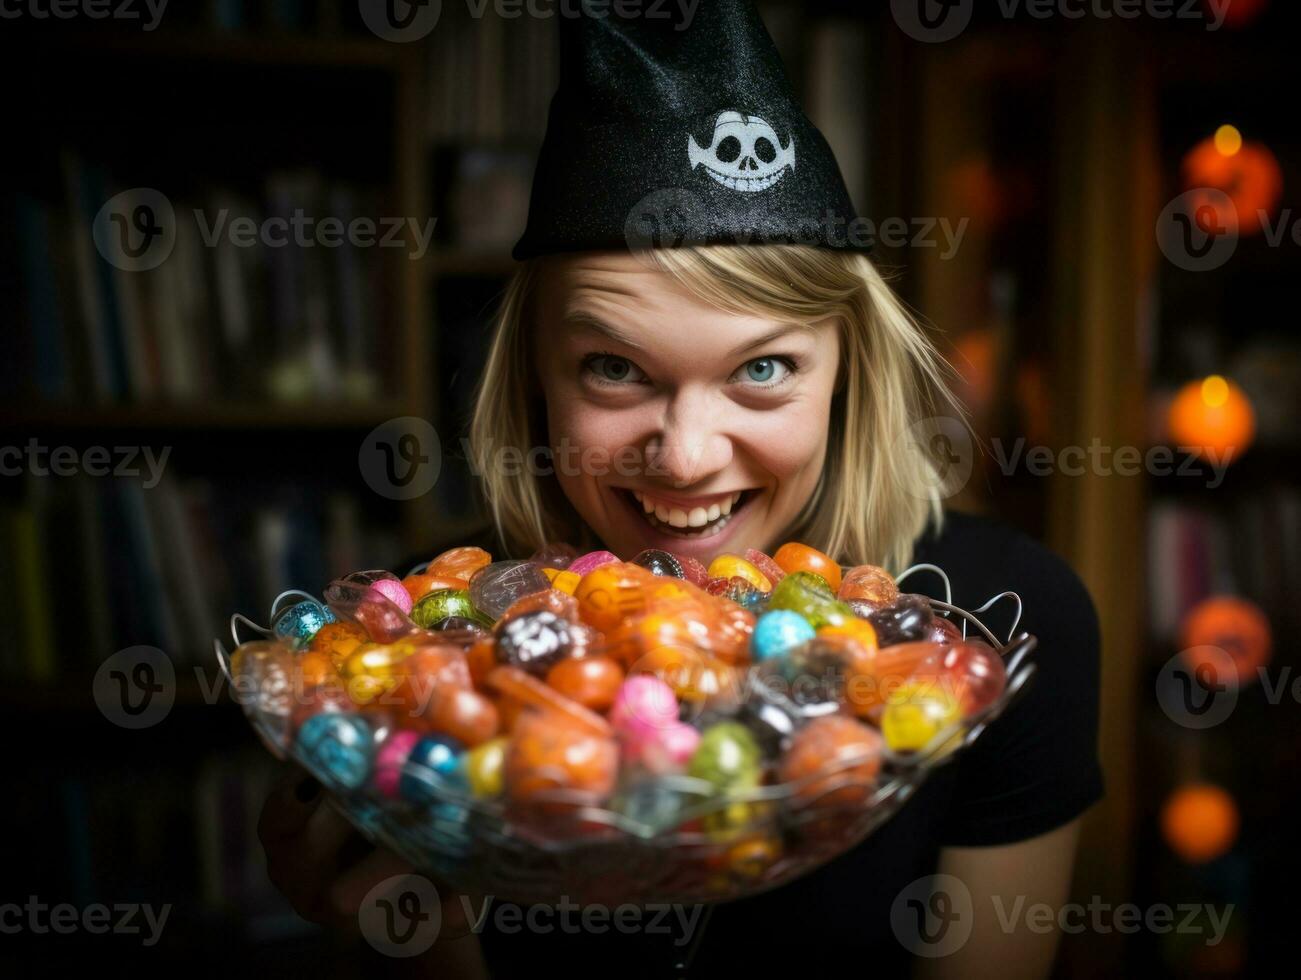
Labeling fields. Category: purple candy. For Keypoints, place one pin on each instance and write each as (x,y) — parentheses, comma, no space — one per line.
(593,559)
(394,591)
(390,759)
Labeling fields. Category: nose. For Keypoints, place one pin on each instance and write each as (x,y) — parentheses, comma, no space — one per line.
(691,444)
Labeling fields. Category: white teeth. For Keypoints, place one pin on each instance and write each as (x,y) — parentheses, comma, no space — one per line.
(712,518)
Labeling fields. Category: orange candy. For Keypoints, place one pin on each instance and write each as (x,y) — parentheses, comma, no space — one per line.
(533,693)
(611,593)
(591,681)
(464,714)
(316,667)
(338,640)
(694,676)
(795,557)
(548,752)
(552,600)
(423,583)
(828,752)
(869,583)
(459,562)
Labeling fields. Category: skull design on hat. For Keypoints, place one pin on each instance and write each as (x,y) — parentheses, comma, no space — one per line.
(744,154)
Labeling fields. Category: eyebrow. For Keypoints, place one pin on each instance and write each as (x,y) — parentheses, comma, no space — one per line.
(583,320)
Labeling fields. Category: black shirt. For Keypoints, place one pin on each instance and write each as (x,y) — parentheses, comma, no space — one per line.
(1032,770)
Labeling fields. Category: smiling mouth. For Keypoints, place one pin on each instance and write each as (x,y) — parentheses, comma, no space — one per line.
(672,518)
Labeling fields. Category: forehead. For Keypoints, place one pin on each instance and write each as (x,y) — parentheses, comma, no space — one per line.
(648,308)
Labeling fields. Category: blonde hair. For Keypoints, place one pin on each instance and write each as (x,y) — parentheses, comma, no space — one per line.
(876,491)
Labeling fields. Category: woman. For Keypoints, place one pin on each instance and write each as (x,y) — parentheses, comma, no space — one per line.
(713,397)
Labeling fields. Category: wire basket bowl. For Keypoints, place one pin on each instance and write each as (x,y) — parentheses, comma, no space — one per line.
(716,847)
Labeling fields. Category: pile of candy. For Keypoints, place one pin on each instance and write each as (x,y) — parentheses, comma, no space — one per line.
(743,705)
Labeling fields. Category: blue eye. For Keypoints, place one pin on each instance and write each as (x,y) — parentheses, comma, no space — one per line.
(765,371)
(611,369)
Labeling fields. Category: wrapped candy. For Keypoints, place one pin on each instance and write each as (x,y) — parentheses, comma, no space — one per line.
(263,675)
(768,568)
(459,563)
(906,619)
(433,769)
(338,747)
(495,587)
(484,766)
(809,595)
(727,567)
(589,562)
(869,584)
(660,563)
(533,641)
(437,606)
(300,622)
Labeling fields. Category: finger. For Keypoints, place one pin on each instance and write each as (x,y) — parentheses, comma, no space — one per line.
(350,888)
(324,835)
(289,807)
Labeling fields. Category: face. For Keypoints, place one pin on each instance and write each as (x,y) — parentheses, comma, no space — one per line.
(676,425)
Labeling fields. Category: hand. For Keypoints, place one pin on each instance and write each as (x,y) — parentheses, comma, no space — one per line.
(324,867)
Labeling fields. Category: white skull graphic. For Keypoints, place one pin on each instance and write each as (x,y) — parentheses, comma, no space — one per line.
(744,154)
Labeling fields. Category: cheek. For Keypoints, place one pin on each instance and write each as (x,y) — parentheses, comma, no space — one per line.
(789,442)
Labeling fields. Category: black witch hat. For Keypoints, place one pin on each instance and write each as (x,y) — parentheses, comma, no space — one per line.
(680,129)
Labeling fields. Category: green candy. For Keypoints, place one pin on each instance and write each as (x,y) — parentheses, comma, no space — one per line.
(728,757)
(433,608)
(809,595)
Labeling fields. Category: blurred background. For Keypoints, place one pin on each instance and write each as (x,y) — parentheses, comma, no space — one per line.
(1092,203)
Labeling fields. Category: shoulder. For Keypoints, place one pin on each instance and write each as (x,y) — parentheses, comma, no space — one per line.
(1037,766)
(983,556)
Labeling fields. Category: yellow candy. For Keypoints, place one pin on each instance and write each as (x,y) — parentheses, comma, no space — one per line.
(551,573)
(749,859)
(727,566)
(368,671)
(566,581)
(483,766)
(917,712)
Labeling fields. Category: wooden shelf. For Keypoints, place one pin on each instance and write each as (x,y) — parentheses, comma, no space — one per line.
(200,416)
